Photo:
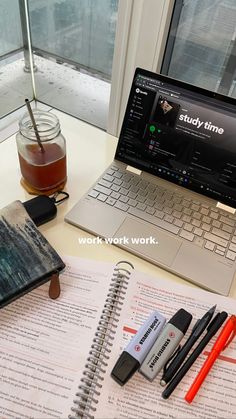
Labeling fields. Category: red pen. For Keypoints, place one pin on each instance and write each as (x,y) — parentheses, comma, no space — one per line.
(224,339)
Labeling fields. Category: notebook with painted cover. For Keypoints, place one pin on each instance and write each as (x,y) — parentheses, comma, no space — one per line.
(56,356)
(27,260)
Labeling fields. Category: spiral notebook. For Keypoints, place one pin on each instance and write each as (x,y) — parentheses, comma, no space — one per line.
(56,356)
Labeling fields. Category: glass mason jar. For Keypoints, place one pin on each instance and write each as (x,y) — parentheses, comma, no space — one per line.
(43,164)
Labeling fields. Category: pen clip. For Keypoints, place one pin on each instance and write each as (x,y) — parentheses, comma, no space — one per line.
(231,337)
(171,358)
(195,326)
(213,322)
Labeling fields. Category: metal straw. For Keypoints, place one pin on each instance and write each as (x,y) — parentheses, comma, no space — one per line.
(34,125)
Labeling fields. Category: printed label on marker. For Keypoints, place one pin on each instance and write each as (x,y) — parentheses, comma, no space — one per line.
(146,336)
(157,356)
(161,351)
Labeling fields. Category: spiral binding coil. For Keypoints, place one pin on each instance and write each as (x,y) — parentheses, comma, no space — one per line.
(90,383)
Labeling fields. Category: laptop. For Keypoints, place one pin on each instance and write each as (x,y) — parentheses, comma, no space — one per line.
(159,199)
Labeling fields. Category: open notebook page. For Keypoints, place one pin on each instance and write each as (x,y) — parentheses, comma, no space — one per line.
(44,343)
(140,398)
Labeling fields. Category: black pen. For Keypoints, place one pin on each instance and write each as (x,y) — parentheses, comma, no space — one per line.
(198,329)
(211,331)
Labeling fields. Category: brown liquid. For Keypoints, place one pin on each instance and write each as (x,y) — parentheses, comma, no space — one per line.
(43,170)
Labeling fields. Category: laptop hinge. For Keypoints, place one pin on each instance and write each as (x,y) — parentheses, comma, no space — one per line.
(133,170)
(225,207)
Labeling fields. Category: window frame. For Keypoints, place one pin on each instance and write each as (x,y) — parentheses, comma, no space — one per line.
(141,36)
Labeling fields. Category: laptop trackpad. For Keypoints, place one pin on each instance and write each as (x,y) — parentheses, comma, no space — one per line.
(149,241)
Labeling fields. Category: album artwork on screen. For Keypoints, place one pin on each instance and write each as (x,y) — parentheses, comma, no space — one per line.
(165,112)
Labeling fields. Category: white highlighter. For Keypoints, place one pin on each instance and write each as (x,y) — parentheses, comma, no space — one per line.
(137,349)
(165,344)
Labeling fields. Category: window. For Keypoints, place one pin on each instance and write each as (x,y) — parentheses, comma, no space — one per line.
(73,43)
(10,40)
(190,40)
(201,45)
(86,51)
(13,84)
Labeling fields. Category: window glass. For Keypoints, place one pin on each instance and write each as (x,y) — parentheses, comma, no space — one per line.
(201,45)
(9,40)
(73,43)
(15,83)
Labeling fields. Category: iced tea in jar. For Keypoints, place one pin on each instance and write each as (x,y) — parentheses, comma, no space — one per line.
(43,166)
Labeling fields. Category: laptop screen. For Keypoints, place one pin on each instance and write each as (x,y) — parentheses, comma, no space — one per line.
(181,133)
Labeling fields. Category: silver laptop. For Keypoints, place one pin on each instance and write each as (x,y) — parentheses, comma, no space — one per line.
(175,159)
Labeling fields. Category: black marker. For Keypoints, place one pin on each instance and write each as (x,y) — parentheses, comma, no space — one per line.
(166,343)
(198,329)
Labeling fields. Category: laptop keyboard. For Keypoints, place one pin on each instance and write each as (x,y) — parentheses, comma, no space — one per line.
(205,226)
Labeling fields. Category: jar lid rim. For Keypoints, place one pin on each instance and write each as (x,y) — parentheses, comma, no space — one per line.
(48,125)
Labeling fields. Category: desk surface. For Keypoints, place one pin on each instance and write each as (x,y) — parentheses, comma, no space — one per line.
(89,152)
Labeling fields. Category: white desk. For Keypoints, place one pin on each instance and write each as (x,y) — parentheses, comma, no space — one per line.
(89,152)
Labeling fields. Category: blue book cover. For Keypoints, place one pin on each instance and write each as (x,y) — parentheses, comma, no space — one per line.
(27,260)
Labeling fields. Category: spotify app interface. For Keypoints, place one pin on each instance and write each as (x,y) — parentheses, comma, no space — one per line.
(181,135)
